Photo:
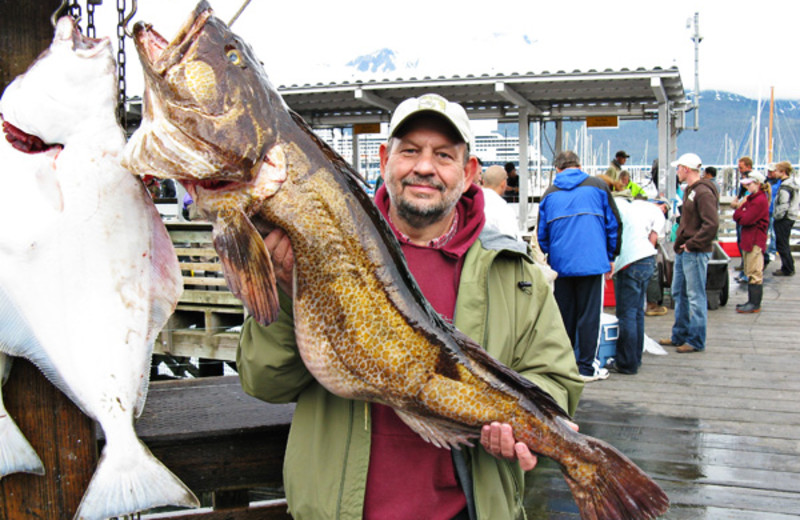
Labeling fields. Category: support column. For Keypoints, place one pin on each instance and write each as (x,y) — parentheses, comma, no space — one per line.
(524,174)
(356,160)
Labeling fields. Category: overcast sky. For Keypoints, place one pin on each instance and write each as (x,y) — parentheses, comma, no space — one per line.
(747,46)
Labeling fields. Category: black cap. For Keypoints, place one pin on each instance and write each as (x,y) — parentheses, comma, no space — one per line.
(622,153)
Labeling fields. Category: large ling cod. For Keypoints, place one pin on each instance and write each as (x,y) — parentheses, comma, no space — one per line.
(213,121)
(88,274)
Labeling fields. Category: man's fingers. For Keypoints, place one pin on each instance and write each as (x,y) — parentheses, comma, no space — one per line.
(280,250)
(527,460)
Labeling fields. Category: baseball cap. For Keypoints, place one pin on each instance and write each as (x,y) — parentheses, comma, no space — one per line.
(771,167)
(690,160)
(622,153)
(452,112)
(753,176)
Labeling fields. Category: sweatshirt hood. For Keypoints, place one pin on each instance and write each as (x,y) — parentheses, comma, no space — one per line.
(470,213)
(570,178)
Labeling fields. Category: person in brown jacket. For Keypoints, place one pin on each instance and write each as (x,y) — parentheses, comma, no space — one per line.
(693,246)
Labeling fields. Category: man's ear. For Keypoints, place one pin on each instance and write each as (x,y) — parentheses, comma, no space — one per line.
(383,153)
(470,171)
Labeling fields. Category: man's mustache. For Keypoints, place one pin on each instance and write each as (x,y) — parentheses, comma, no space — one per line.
(418,180)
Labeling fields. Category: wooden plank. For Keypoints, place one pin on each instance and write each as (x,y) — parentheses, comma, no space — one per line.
(209,297)
(197,344)
(718,430)
(64,439)
(200,266)
(204,280)
(277,510)
(196,251)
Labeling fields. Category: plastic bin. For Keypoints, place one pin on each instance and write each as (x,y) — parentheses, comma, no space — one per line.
(717,274)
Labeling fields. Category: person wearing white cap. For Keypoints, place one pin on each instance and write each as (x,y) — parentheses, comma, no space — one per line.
(346,458)
(693,246)
(753,216)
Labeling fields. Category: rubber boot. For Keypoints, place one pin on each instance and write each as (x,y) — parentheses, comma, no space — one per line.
(754,293)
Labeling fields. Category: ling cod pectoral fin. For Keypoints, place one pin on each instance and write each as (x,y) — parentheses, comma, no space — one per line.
(246,264)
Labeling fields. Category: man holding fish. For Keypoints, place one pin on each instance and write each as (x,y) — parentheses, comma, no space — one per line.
(352,459)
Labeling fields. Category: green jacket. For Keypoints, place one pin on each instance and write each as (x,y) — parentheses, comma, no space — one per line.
(327,454)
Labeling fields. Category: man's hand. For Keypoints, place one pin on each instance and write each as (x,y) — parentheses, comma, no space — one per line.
(280,250)
(610,274)
(498,440)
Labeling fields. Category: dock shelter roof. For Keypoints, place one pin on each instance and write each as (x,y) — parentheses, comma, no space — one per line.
(629,94)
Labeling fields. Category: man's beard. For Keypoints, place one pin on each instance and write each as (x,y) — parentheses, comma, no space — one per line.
(420,215)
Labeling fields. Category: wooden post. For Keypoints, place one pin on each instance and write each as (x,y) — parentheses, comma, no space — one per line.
(63,437)
(25,31)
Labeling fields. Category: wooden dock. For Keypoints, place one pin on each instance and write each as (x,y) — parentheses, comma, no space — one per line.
(719,430)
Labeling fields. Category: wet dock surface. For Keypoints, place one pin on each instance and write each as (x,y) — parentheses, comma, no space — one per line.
(719,430)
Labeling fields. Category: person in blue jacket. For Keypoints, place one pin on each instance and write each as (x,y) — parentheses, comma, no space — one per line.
(580,230)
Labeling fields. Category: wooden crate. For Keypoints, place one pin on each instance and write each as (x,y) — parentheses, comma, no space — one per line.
(205,320)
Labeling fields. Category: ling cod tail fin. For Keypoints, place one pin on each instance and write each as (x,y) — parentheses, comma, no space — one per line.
(615,488)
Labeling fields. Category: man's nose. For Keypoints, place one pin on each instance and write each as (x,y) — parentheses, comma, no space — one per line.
(425,163)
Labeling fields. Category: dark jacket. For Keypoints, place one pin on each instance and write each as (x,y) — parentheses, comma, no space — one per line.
(579,226)
(753,216)
(699,218)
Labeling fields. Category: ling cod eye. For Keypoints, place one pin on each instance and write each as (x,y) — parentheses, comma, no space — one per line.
(234,57)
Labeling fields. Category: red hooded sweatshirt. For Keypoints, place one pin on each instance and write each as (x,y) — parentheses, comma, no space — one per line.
(408,477)
(753,216)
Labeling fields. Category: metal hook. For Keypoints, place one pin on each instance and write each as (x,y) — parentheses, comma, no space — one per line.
(54,16)
(134,8)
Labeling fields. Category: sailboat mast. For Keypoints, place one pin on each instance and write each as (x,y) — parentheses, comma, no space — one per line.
(771,112)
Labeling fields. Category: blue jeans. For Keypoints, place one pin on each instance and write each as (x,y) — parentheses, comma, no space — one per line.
(630,288)
(689,294)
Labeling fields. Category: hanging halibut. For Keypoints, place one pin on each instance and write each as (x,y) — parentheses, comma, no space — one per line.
(88,275)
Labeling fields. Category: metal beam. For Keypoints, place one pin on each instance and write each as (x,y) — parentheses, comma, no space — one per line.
(373,99)
(512,96)
(658,90)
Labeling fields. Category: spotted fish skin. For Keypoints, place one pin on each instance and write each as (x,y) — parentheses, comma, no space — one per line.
(363,328)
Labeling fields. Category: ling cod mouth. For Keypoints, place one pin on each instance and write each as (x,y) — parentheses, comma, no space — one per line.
(155,46)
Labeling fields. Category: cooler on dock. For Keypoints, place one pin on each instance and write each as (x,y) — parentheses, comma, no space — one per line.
(607,345)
